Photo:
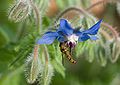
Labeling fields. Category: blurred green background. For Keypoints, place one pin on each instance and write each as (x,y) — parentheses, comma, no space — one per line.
(83,73)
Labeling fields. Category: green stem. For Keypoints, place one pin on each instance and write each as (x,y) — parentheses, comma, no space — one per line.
(46,66)
(38,17)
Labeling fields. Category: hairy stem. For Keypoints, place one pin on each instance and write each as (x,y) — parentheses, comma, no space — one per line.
(101,2)
(36,50)
(95,4)
(67,10)
(114,32)
(46,66)
(46,54)
(37,13)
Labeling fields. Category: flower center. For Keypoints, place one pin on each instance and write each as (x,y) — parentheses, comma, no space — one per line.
(72,40)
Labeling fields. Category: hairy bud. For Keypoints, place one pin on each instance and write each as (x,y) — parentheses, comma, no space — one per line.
(34,67)
(20,10)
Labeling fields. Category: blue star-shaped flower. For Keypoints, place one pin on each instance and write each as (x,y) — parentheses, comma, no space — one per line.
(66,33)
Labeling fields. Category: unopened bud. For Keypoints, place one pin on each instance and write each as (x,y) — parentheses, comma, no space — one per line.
(34,67)
(20,10)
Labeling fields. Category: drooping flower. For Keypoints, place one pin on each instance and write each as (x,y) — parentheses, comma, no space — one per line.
(65,33)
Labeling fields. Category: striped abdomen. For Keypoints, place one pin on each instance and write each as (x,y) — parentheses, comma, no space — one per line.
(65,50)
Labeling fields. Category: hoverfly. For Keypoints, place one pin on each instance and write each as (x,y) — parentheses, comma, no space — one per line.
(66,51)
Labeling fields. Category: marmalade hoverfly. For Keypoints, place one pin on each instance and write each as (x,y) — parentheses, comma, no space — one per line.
(66,51)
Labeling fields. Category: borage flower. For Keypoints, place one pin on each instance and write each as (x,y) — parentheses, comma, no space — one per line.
(65,33)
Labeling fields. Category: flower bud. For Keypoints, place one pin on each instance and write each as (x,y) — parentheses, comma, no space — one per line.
(20,10)
(34,67)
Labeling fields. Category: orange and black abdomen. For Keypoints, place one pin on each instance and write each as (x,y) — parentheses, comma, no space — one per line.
(65,50)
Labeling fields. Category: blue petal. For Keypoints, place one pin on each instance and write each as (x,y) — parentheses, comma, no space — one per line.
(93,37)
(94,29)
(48,38)
(77,32)
(61,36)
(61,39)
(65,27)
(83,37)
